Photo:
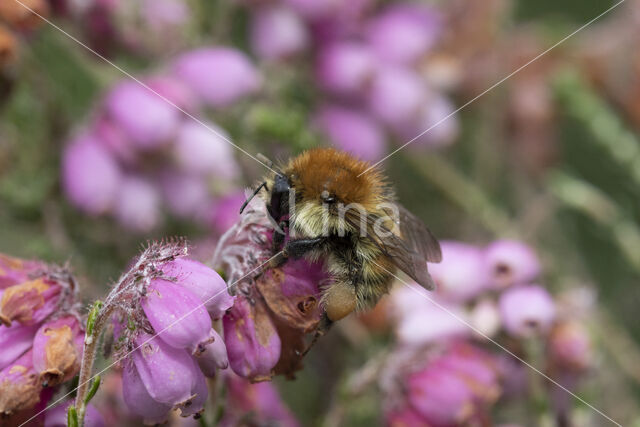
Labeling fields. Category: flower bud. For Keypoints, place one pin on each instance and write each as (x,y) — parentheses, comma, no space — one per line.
(91,176)
(220,76)
(57,350)
(277,32)
(526,310)
(178,316)
(203,282)
(214,357)
(57,416)
(14,341)
(345,67)
(168,374)
(352,131)
(20,386)
(403,33)
(253,344)
(139,401)
(460,275)
(201,150)
(149,130)
(29,302)
(511,262)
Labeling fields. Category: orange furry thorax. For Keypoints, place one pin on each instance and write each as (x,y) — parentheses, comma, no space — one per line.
(340,174)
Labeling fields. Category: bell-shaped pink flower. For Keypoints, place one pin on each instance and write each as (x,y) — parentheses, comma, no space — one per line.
(57,416)
(277,32)
(214,357)
(526,310)
(30,302)
(396,95)
(137,204)
(15,340)
(90,175)
(460,276)
(205,150)
(147,119)
(138,399)
(253,344)
(203,282)
(199,396)
(220,76)
(352,131)
(178,316)
(169,374)
(403,33)
(511,262)
(345,67)
(57,350)
(20,386)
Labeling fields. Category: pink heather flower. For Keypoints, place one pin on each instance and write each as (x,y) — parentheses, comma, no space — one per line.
(14,341)
(165,15)
(420,321)
(57,416)
(214,357)
(403,33)
(173,90)
(145,117)
(253,344)
(312,9)
(221,76)
(90,175)
(352,131)
(57,350)
(199,396)
(186,195)
(14,270)
(345,67)
(485,317)
(460,276)
(404,417)
(203,282)
(138,399)
(526,310)
(137,205)
(169,374)
(177,316)
(20,386)
(511,262)
(434,127)
(30,302)
(260,402)
(569,346)
(203,150)
(227,211)
(396,95)
(277,32)
(454,388)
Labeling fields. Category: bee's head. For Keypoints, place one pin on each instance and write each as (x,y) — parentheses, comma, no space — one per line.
(278,206)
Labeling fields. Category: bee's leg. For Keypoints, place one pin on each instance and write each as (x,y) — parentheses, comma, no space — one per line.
(322,329)
(297,248)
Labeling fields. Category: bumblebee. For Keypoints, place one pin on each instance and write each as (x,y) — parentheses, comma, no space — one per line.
(329,205)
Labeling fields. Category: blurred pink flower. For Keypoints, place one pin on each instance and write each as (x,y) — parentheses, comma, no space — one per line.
(205,150)
(90,176)
(403,33)
(57,416)
(434,126)
(396,95)
(526,310)
(345,67)
(186,195)
(138,204)
(147,119)
(511,262)
(220,76)
(352,131)
(277,32)
(570,347)
(227,211)
(461,274)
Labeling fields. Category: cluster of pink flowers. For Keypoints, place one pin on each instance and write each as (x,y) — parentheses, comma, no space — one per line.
(452,372)
(41,337)
(368,62)
(142,152)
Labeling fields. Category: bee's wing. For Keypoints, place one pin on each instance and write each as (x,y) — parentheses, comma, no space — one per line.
(397,250)
(418,236)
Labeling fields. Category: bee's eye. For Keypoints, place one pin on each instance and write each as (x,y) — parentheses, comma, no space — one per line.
(327,197)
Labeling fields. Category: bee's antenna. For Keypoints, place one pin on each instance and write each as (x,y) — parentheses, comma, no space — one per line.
(256,191)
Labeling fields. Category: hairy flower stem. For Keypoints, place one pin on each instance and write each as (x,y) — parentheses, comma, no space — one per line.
(91,339)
